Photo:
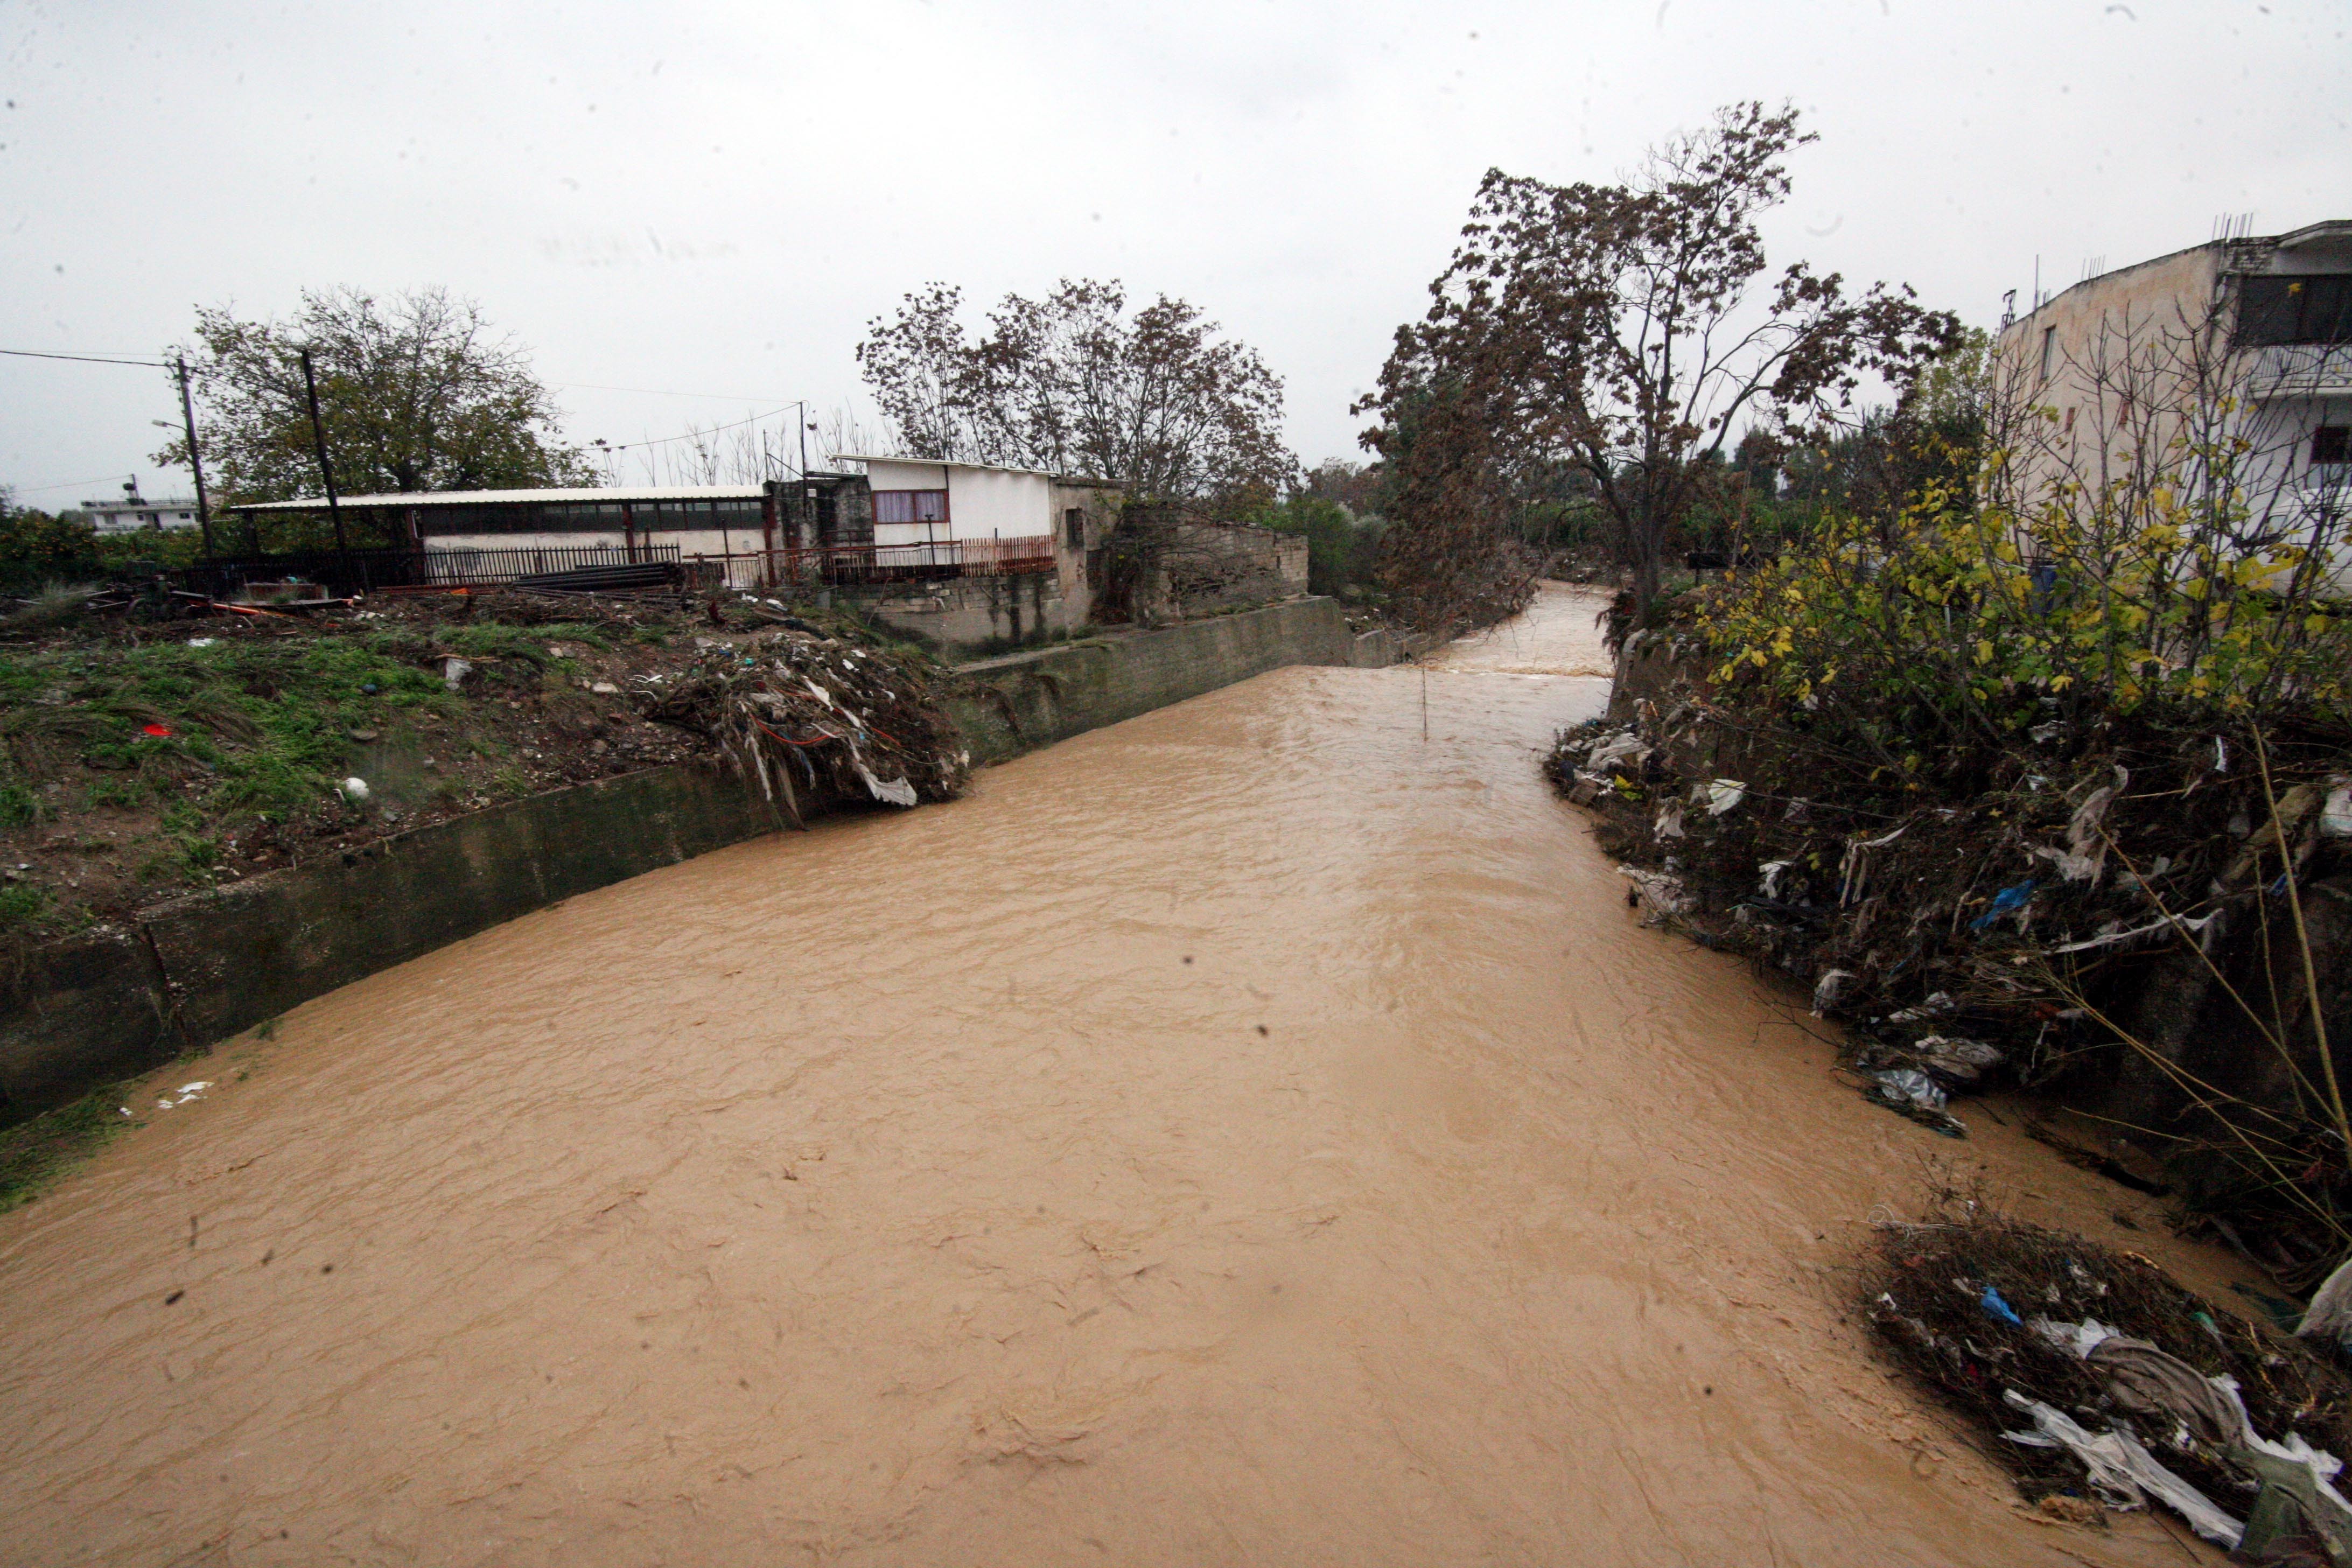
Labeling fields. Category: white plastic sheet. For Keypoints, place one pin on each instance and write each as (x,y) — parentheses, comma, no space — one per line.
(2121,1472)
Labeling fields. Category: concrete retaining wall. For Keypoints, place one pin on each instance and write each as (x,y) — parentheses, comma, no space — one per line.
(1014,704)
(86,1012)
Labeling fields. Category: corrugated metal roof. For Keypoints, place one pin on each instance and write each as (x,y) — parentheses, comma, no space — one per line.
(495,498)
(949,463)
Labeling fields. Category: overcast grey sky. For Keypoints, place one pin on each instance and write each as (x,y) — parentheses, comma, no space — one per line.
(714,198)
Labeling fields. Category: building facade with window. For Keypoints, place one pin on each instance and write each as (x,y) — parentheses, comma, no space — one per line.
(2238,340)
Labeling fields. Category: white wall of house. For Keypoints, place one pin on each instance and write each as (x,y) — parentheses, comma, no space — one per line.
(990,503)
(117,517)
(982,503)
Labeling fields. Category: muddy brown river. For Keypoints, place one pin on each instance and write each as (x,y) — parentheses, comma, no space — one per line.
(1256,1133)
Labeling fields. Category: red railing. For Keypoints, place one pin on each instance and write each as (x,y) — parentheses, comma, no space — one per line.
(850,565)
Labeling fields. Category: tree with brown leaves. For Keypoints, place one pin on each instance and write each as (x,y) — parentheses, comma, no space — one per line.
(1629,331)
(1073,383)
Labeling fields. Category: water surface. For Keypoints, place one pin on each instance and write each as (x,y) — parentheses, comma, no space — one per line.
(1254,1133)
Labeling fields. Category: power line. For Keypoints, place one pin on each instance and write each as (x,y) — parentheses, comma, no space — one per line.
(693,435)
(653,391)
(69,485)
(82,358)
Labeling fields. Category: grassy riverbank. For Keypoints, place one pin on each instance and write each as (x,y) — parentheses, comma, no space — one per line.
(144,760)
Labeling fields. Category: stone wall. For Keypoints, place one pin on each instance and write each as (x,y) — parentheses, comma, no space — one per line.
(101,1007)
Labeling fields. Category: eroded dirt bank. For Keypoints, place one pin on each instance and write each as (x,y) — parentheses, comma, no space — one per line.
(1250,1133)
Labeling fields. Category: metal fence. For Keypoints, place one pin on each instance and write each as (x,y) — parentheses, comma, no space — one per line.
(469,567)
(345,572)
(840,565)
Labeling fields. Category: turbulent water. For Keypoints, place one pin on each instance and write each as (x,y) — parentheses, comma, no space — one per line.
(1254,1133)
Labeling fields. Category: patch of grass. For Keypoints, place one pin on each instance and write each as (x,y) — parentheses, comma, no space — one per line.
(21,909)
(511,783)
(127,794)
(19,805)
(35,1153)
(496,639)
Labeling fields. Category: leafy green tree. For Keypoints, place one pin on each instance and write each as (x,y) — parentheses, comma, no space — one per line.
(38,548)
(1340,546)
(415,393)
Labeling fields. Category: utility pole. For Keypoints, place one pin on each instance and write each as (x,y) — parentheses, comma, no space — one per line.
(326,471)
(196,461)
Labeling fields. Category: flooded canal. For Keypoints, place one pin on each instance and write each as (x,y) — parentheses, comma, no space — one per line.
(1254,1133)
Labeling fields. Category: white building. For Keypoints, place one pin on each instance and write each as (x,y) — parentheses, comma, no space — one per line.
(2238,340)
(917,501)
(132,514)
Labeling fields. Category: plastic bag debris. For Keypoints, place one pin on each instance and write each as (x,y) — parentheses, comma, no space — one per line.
(2009,901)
(1771,884)
(2075,1339)
(2336,815)
(186,1092)
(1997,1309)
(2121,1472)
(202,642)
(897,791)
(1938,1001)
(453,672)
(2330,1312)
(1952,1056)
(2118,938)
(354,790)
(1722,794)
(1660,894)
(1853,868)
(2085,854)
(2145,1381)
(1829,988)
(1909,1086)
(1670,820)
(1623,752)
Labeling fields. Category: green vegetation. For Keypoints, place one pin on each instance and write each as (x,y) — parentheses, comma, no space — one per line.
(44,555)
(1341,547)
(218,732)
(35,1153)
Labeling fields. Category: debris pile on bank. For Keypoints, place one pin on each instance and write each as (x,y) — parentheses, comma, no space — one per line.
(2099,1383)
(812,719)
(1971,936)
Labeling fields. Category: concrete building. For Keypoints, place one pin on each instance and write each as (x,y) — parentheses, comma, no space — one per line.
(974,512)
(131,514)
(2235,340)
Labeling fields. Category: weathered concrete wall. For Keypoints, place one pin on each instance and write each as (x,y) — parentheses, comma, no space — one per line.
(199,969)
(972,612)
(1014,704)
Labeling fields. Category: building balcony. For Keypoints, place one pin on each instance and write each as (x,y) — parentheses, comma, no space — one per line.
(2302,370)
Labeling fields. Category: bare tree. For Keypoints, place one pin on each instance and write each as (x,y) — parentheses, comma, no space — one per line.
(1622,329)
(1072,383)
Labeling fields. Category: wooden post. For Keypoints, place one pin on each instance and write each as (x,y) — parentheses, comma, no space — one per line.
(196,459)
(326,469)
